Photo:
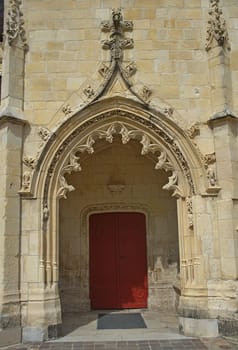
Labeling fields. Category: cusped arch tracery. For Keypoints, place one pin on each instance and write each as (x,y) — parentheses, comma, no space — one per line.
(127,133)
(172,149)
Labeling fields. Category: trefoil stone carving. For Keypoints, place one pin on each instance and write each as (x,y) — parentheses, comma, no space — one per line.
(89,91)
(15,24)
(145,93)
(30,162)
(217,34)
(67,110)
(44,134)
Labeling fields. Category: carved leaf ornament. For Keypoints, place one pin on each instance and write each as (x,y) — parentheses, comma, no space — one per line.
(15,24)
(217,34)
(73,161)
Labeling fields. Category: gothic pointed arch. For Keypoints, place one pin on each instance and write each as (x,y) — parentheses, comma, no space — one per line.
(171,147)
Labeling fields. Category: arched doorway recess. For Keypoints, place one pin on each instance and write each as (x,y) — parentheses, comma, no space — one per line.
(116,179)
(169,151)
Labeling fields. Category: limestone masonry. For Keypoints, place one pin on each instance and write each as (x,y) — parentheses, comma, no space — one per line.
(112,106)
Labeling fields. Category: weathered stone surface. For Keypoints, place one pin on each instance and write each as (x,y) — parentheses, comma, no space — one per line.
(120,106)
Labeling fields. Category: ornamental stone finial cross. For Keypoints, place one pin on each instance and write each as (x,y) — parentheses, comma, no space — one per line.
(117,42)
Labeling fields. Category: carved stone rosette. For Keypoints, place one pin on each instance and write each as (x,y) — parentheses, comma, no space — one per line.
(15,24)
(217,34)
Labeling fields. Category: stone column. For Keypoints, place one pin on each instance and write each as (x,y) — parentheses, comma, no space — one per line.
(11,138)
(10,179)
(222,289)
(225,131)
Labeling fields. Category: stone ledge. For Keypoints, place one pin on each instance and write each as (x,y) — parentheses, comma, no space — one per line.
(221,116)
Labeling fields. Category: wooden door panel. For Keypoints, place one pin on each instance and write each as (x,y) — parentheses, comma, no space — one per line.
(103,263)
(132,263)
(118,265)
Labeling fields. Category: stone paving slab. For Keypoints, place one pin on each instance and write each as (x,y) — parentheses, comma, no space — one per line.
(189,344)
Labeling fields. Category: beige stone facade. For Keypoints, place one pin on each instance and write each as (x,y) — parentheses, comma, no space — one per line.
(119,106)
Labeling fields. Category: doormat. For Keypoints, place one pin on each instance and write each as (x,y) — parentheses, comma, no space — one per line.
(120,321)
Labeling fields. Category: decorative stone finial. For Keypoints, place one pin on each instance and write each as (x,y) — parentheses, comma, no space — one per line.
(117,42)
(217,34)
(15,24)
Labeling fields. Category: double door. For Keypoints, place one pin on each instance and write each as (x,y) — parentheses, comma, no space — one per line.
(118,264)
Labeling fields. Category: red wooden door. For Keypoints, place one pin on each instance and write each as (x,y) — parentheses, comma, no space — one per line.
(118,266)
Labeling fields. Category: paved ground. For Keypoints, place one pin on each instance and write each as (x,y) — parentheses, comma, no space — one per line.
(80,333)
(188,344)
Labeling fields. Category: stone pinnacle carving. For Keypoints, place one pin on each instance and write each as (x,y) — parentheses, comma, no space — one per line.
(117,42)
(217,34)
(15,24)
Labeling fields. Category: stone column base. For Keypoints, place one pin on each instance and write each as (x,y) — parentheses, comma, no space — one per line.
(198,327)
(228,327)
(40,334)
(10,336)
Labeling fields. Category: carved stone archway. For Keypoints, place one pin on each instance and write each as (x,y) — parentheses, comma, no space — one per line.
(171,149)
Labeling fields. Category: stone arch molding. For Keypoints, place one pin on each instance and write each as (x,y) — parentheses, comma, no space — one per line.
(175,151)
(172,148)
(107,132)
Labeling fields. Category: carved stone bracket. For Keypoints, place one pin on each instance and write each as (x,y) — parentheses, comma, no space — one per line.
(107,133)
(15,24)
(217,34)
